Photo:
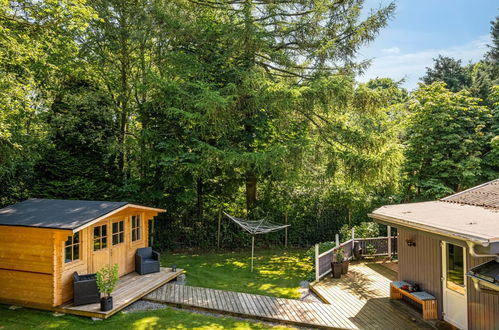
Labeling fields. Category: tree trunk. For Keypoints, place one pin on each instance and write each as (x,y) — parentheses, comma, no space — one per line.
(251,182)
(199,190)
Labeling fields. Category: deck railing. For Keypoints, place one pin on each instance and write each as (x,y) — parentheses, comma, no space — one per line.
(381,244)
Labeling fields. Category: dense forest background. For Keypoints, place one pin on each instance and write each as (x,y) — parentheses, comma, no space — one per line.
(246,106)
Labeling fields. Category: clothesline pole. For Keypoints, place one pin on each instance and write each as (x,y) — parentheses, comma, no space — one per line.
(252,250)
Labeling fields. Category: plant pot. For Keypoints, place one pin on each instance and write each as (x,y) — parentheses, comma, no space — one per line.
(336,269)
(106,304)
(357,250)
(344,266)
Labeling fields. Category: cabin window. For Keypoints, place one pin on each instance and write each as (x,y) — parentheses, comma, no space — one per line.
(455,268)
(100,237)
(135,228)
(118,232)
(72,248)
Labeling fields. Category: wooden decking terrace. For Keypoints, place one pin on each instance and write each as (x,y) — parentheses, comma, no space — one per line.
(360,300)
(130,288)
(288,311)
(364,298)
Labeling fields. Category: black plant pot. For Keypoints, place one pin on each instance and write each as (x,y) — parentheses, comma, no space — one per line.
(344,266)
(336,269)
(106,304)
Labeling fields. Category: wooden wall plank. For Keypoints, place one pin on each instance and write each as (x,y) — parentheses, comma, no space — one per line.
(421,264)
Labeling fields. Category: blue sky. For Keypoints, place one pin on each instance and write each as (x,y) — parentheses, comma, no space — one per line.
(422,29)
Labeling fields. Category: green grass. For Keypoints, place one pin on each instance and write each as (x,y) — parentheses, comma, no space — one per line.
(159,319)
(277,272)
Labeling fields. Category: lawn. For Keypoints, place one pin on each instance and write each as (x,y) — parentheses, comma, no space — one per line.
(159,319)
(277,272)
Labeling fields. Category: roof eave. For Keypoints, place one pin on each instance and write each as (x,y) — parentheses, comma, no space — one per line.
(431,229)
(114,212)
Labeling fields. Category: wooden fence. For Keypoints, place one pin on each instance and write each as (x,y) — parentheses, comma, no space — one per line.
(384,246)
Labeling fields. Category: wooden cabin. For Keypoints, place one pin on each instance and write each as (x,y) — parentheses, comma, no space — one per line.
(450,247)
(43,241)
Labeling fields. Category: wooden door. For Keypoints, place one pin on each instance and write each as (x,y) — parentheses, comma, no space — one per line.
(100,246)
(118,249)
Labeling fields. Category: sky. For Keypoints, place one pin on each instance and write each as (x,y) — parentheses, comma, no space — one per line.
(421,30)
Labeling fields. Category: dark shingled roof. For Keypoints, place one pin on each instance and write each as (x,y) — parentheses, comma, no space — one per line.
(484,195)
(55,213)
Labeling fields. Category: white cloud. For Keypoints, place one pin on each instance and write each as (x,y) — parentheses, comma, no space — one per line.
(391,50)
(412,66)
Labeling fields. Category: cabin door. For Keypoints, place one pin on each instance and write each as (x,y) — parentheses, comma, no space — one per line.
(455,307)
(118,250)
(100,247)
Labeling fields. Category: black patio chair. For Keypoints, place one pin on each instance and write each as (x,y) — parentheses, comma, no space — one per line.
(146,261)
(85,289)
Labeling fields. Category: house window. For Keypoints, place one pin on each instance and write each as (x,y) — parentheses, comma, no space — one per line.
(118,232)
(72,248)
(135,228)
(455,268)
(100,237)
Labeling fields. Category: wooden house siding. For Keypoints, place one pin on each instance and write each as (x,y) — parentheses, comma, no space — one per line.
(483,308)
(125,256)
(421,264)
(27,265)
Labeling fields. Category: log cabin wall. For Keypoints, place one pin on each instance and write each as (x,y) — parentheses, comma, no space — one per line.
(92,261)
(27,266)
(483,308)
(421,264)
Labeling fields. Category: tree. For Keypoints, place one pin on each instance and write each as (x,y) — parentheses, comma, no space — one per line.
(78,160)
(37,46)
(493,53)
(450,71)
(445,141)
(284,59)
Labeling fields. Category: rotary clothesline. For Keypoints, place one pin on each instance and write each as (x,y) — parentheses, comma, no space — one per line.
(255,227)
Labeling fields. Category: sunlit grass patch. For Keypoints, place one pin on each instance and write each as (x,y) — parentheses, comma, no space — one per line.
(167,318)
(276,273)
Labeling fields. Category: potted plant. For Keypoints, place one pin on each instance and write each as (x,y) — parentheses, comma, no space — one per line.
(107,278)
(344,263)
(336,265)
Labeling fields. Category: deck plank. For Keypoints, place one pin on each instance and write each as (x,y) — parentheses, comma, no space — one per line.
(360,300)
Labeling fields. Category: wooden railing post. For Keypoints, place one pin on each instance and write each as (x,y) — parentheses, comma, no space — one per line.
(317,275)
(389,234)
(353,237)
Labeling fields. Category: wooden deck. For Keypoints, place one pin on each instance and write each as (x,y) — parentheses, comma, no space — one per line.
(359,300)
(288,311)
(130,288)
(363,296)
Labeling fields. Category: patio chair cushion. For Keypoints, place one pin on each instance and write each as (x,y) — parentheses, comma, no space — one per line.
(423,295)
